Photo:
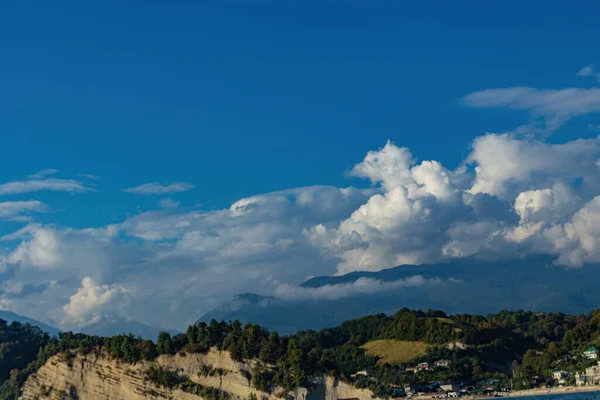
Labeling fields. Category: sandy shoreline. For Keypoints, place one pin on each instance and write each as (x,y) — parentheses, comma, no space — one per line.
(532,392)
(552,391)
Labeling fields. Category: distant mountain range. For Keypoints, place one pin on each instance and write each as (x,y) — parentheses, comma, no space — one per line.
(470,286)
(10,316)
(111,327)
(106,327)
(461,286)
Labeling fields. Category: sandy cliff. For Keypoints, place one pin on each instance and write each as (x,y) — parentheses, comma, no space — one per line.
(99,376)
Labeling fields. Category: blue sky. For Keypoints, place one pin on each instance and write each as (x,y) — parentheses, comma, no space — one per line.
(233,99)
(249,97)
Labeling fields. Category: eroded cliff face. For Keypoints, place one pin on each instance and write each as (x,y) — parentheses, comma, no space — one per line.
(102,377)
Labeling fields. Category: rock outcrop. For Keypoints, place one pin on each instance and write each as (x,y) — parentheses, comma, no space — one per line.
(102,377)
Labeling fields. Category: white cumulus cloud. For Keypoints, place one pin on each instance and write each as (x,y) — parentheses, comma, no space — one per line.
(515,196)
(505,166)
(39,247)
(92,302)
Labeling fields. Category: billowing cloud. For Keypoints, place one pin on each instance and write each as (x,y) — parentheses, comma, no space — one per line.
(515,196)
(548,205)
(575,241)
(36,185)
(158,188)
(20,210)
(39,250)
(92,302)
(505,166)
(404,224)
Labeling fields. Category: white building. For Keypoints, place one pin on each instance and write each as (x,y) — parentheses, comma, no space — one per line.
(590,377)
(591,353)
(423,366)
(364,372)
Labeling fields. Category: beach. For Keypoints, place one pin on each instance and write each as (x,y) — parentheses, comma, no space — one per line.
(530,392)
(552,391)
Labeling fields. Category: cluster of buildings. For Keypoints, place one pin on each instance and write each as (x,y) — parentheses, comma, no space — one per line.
(424,366)
(591,376)
(453,389)
(412,389)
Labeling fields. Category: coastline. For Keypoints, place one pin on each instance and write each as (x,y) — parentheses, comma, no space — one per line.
(548,392)
(531,392)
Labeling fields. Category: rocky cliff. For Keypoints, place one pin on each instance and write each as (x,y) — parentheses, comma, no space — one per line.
(100,376)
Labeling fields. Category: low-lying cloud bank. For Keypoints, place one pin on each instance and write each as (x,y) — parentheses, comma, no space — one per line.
(362,286)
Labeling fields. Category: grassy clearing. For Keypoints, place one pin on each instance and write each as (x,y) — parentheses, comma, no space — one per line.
(395,351)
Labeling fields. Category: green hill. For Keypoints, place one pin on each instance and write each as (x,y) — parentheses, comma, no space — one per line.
(522,343)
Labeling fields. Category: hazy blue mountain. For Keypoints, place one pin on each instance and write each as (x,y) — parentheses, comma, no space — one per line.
(10,316)
(111,327)
(481,287)
(106,327)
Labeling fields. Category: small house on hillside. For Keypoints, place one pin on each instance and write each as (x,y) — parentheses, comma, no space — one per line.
(458,345)
(424,366)
(591,353)
(442,363)
(364,372)
(411,369)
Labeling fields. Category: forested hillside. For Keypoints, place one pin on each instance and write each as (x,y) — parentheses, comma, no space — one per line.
(519,345)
